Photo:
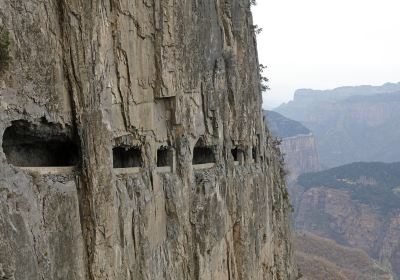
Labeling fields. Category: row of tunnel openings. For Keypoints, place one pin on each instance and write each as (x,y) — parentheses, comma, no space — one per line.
(131,157)
(46,145)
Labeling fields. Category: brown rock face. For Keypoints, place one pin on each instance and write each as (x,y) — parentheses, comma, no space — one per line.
(121,122)
(333,214)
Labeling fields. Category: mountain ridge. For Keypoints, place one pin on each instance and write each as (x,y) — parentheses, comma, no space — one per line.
(357,126)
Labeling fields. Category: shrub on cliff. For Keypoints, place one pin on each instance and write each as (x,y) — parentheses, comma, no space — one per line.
(4,49)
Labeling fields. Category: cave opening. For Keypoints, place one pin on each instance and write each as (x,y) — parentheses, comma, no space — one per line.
(202,154)
(124,157)
(235,154)
(165,157)
(39,145)
(254,153)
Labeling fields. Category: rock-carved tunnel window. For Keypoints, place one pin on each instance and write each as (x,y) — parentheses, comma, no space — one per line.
(124,157)
(165,157)
(203,154)
(39,145)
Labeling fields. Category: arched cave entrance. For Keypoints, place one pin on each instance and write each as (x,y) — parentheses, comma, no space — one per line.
(41,144)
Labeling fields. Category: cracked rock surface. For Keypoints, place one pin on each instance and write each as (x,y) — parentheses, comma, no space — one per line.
(142,76)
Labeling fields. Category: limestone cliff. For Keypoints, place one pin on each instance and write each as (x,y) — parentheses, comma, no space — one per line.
(300,155)
(297,145)
(133,145)
(357,205)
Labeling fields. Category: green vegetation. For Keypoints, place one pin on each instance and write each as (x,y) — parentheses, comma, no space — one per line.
(261,68)
(5,58)
(373,183)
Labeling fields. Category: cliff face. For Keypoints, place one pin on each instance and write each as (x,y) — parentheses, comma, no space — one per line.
(351,124)
(300,155)
(297,146)
(332,214)
(356,205)
(148,104)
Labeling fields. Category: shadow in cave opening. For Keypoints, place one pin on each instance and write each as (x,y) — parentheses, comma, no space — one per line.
(202,154)
(127,157)
(39,145)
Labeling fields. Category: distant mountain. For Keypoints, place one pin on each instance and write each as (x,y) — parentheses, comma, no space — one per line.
(297,146)
(283,127)
(350,123)
(304,97)
(356,205)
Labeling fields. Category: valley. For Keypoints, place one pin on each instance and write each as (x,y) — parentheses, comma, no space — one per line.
(343,173)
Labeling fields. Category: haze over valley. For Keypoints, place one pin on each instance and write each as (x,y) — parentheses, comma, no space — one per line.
(342,153)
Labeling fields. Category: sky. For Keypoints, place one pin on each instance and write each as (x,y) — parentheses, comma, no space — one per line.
(324,44)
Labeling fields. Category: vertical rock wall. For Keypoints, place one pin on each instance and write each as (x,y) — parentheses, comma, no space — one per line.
(301,156)
(143,74)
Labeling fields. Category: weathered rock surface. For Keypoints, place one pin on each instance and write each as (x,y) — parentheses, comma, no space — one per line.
(332,214)
(356,205)
(137,76)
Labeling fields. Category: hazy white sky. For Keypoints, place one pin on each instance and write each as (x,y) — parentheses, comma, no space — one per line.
(324,44)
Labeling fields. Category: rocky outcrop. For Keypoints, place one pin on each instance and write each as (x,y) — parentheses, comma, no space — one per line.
(332,214)
(133,145)
(355,205)
(350,124)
